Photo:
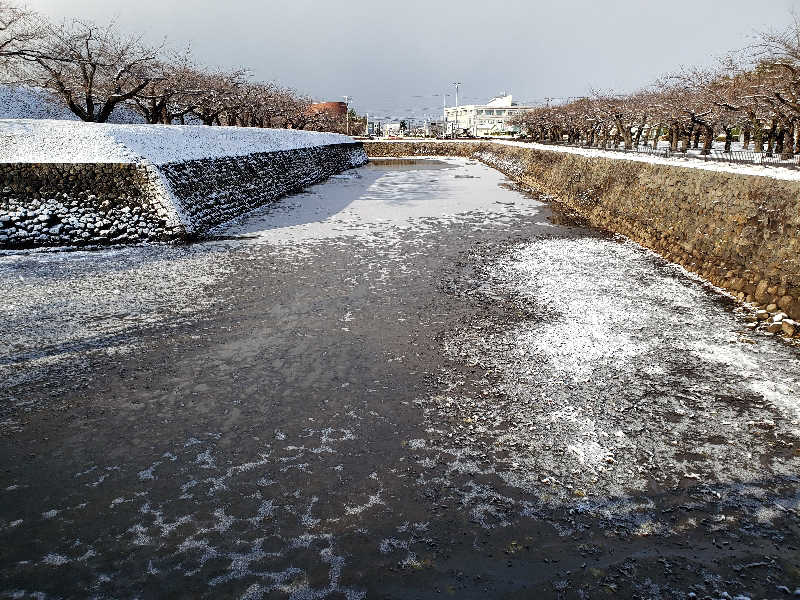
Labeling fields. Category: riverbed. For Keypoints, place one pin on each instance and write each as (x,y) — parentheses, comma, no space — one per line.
(412,380)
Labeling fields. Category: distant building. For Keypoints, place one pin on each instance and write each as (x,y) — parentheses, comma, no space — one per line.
(334,109)
(484,120)
(434,128)
(392,129)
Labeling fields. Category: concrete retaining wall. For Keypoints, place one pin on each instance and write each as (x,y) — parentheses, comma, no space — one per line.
(80,204)
(741,232)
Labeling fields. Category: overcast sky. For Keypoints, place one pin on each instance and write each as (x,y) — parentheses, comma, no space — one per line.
(392,57)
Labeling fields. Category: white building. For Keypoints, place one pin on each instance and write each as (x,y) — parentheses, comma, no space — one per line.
(484,120)
(392,129)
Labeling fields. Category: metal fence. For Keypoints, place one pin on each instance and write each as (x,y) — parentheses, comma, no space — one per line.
(747,157)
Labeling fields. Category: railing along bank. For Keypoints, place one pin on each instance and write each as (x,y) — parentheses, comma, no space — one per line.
(735,156)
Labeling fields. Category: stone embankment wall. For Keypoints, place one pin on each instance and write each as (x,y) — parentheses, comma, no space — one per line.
(82,204)
(211,191)
(90,204)
(740,232)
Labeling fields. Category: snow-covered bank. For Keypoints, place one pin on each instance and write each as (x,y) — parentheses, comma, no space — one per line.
(56,141)
(688,160)
(735,230)
(70,183)
(28,102)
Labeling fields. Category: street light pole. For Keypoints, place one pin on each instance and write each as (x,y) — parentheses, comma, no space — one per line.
(347,112)
(455,126)
(444,114)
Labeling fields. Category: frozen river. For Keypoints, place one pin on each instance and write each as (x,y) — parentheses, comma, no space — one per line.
(411,381)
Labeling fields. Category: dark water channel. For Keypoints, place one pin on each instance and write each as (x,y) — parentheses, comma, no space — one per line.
(411,381)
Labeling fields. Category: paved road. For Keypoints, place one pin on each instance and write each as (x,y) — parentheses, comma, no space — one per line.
(411,381)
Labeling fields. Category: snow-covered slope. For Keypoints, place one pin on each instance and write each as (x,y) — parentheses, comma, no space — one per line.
(56,141)
(690,160)
(25,102)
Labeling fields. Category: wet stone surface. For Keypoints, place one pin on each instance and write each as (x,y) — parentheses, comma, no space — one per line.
(412,381)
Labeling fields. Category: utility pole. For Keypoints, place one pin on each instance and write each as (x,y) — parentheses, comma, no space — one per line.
(347,111)
(444,115)
(455,126)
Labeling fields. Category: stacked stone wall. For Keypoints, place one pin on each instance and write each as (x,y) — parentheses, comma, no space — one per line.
(740,232)
(212,191)
(79,204)
(82,204)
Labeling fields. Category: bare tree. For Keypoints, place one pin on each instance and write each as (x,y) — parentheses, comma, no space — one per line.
(92,68)
(172,94)
(219,92)
(20,30)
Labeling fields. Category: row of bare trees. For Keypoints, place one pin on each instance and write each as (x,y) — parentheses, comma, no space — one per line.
(754,94)
(94,69)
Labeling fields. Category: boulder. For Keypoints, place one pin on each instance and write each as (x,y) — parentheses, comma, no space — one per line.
(761,290)
(789,327)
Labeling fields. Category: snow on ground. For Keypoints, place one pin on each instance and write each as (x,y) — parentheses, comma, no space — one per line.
(54,141)
(602,385)
(26,102)
(695,163)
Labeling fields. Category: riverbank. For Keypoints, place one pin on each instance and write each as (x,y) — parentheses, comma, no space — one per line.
(738,231)
(73,184)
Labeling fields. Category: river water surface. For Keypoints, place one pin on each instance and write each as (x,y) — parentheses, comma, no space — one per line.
(411,381)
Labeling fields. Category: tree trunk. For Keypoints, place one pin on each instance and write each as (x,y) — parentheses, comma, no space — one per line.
(643,134)
(771,137)
(684,138)
(746,138)
(656,136)
(625,130)
(728,138)
(673,142)
(758,137)
(788,141)
(797,141)
(697,132)
(708,140)
(151,115)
